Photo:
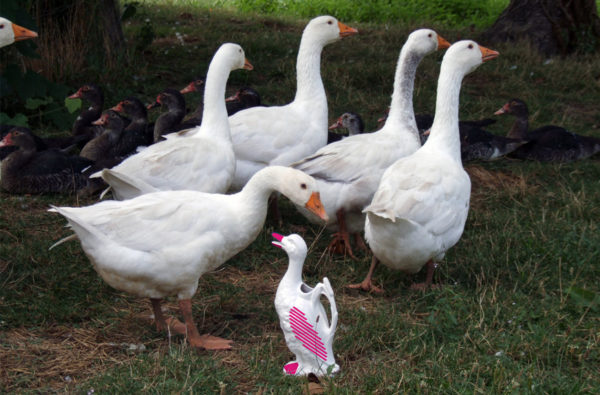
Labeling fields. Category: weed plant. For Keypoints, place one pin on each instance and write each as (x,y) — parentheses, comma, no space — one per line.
(518,310)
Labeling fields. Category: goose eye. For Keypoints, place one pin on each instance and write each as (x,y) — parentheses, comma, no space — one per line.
(303,186)
(470,46)
(429,35)
(330,22)
(1,26)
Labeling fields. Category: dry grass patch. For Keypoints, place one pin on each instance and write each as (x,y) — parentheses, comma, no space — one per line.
(59,356)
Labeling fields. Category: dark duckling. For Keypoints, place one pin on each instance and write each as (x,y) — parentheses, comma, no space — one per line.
(136,133)
(106,144)
(244,98)
(476,143)
(169,121)
(83,124)
(28,170)
(548,143)
(194,118)
(350,121)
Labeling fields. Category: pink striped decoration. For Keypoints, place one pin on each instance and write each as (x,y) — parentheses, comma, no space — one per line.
(305,332)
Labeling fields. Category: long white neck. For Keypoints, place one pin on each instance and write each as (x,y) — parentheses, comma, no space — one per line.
(214,115)
(308,72)
(444,133)
(257,190)
(402,114)
(293,275)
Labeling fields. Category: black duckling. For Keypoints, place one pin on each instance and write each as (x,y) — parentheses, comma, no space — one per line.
(245,97)
(137,132)
(169,121)
(548,143)
(83,124)
(106,144)
(28,170)
(476,143)
(194,118)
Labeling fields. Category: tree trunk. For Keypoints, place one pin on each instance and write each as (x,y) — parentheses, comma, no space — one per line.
(554,27)
(113,33)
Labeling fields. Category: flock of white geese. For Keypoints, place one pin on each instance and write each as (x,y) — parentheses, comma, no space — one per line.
(185,205)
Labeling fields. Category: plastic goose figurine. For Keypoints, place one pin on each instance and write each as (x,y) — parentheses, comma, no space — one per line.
(421,205)
(159,244)
(11,32)
(200,160)
(302,316)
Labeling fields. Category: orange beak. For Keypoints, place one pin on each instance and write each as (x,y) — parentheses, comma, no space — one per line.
(22,34)
(442,43)
(247,65)
(346,30)
(314,204)
(487,54)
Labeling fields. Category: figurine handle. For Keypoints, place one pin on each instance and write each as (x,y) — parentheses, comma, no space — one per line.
(328,292)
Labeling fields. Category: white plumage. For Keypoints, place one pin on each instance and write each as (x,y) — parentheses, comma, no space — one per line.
(201,159)
(421,205)
(348,171)
(159,244)
(280,135)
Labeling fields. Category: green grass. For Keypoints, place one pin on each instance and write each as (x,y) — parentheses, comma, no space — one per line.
(519,309)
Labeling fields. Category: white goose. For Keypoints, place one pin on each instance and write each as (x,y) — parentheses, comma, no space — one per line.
(11,32)
(348,171)
(202,159)
(264,136)
(159,244)
(302,317)
(421,205)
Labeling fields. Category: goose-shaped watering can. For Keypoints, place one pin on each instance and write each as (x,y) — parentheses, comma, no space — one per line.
(302,316)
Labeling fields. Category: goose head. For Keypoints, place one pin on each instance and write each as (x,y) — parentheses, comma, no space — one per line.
(194,86)
(467,55)
(326,30)
(296,185)
(426,41)
(90,92)
(516,107)
(11,32)
(171,98)
(350,121)
(233,54)
(294,245)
